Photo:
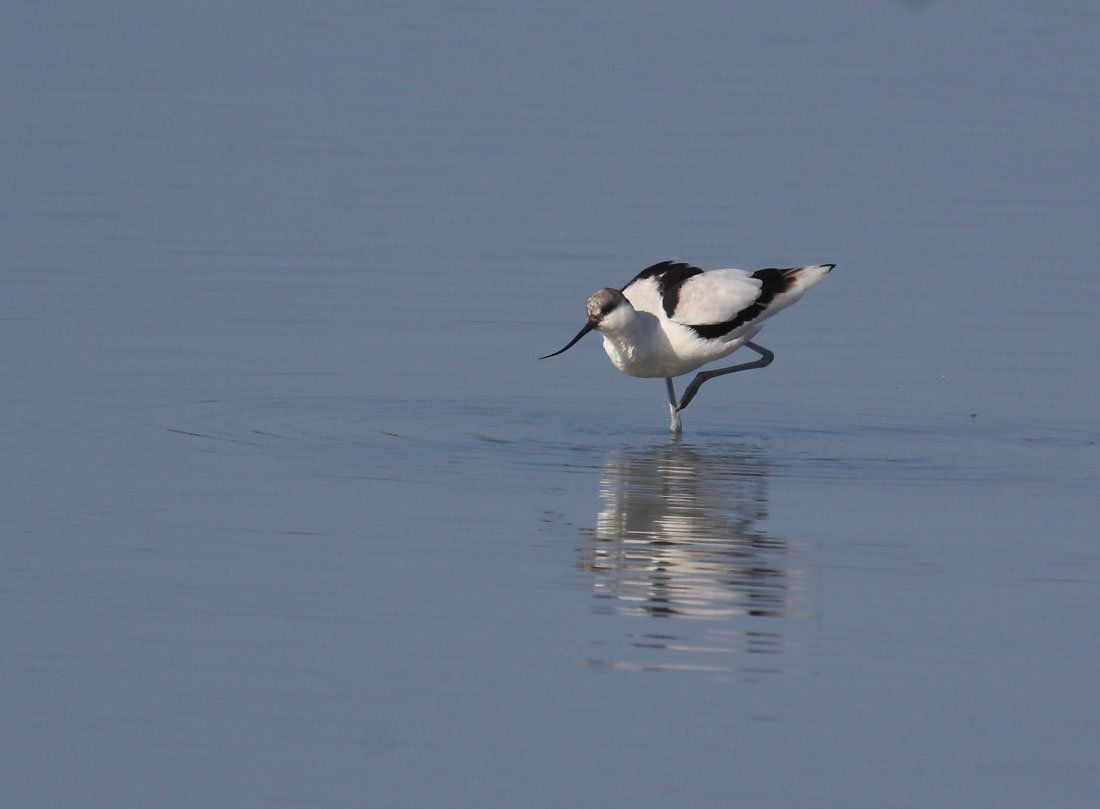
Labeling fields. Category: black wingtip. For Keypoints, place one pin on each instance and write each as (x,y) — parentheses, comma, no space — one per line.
(587,328)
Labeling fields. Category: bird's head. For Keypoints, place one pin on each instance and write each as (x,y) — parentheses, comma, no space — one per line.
(607,310)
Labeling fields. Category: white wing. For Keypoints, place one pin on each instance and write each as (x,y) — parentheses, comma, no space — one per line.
(715,297)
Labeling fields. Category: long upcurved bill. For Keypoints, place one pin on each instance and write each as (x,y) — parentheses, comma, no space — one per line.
(587,328)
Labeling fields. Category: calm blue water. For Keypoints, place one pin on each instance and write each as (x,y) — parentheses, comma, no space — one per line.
(290,516)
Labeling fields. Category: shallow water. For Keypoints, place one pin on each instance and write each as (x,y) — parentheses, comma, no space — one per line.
(291,516)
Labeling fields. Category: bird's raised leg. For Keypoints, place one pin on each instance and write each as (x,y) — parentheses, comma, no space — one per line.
(674,426)
(766,358)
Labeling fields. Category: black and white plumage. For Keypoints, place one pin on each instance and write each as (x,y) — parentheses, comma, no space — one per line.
(673,318)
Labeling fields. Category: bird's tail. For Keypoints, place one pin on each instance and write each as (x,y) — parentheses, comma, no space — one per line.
(805,277)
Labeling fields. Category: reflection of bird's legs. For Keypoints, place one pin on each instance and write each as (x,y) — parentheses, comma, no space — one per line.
(766,358)
(674,424)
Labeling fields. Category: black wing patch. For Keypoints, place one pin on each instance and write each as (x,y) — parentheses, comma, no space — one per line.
(772,282)
(670,276)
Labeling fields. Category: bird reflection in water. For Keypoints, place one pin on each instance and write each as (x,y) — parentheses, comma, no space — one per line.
(679,536)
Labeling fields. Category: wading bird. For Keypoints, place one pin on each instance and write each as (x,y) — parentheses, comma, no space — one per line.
(673,318)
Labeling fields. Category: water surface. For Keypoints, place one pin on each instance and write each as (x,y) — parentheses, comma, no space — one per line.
(291,516)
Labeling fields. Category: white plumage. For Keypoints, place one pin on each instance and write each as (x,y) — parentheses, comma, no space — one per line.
(673,318)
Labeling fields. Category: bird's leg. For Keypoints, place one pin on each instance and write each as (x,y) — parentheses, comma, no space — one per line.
(674,426)
(766,358)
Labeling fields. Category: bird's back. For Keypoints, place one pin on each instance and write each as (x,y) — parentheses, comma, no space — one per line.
(684,294)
